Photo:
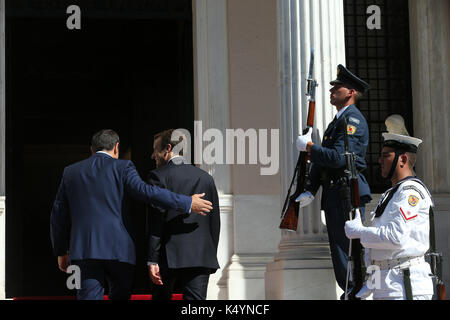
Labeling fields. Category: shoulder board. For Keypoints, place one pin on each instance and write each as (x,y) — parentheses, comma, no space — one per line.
(354,120)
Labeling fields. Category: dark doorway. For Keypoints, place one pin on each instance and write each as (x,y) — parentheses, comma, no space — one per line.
(381,57)
(129,68)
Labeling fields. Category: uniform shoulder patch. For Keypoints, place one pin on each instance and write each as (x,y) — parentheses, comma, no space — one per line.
(413,200)
(351,129)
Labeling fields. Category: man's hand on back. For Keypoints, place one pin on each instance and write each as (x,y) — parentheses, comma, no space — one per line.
(200,205)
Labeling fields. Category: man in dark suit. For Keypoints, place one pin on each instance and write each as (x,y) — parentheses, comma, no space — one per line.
(88,223)
(328,164)
(182,248)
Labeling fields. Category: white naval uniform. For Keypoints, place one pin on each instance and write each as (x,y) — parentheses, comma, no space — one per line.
(401,231)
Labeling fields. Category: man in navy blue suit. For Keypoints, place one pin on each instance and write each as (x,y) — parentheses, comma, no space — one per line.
(328,164)
(88,220)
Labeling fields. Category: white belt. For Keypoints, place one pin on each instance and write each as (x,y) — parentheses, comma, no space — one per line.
(401,263)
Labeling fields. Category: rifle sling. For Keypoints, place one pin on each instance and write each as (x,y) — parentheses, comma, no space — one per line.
(297,166)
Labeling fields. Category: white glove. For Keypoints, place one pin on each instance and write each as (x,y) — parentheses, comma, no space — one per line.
(303,140)
(305,199)
(353,228)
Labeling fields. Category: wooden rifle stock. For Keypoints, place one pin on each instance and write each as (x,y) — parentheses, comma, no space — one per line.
(354,185)
(289,219)
(441,292)
(311,111)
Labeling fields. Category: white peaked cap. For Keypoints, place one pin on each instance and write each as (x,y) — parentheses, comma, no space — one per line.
(402,139)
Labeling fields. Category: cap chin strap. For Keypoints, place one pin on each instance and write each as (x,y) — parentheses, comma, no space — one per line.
(398,153)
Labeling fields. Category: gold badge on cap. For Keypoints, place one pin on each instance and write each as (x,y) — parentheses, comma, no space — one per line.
(338,71)
(351,129)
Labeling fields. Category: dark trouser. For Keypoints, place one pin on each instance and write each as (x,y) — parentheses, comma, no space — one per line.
(339,243)
(95,273)
(191,282)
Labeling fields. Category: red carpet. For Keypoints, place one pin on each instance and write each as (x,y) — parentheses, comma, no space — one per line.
(133,297)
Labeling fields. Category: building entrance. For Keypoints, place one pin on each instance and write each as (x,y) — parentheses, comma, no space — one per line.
(129,68)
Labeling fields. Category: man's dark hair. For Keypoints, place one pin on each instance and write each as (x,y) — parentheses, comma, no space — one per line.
(166,139)
(105,139)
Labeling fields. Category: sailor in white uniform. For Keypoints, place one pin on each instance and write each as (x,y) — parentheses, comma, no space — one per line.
(398,237)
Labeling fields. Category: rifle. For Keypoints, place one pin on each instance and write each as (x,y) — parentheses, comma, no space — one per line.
(436,261)
(289,213)
(355,248)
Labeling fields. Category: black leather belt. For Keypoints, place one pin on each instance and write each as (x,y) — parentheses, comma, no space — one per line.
(331,177)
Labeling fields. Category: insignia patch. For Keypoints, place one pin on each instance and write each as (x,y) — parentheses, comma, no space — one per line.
(325,138)
(338,71)
(354,120)
(351,129)
(408,216)
(413,200)
(415,189)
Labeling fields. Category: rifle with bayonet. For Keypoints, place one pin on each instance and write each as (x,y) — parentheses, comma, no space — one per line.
(351,200)
(289,213)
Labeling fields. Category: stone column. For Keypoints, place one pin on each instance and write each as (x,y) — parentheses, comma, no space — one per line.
(253,72)
(430,73)
(2,150)
(430,78)
(302,268)
(211,99)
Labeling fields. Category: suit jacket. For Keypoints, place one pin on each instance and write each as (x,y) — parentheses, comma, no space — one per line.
(89,214)
(330,156)
(177,240)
